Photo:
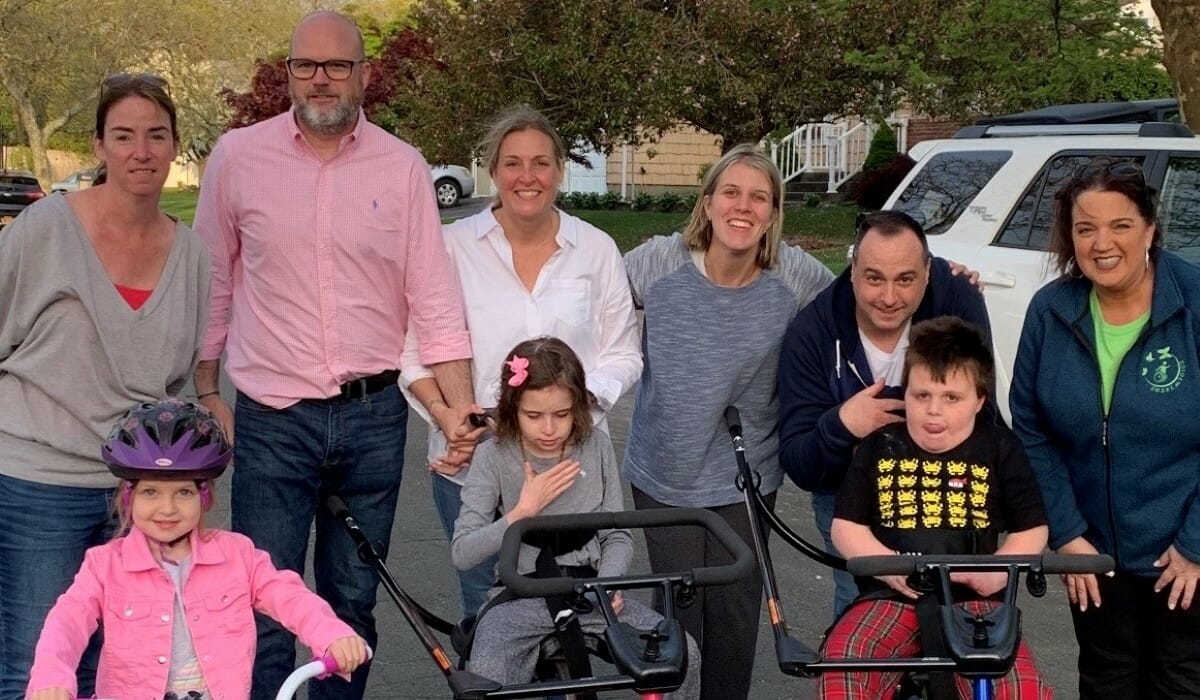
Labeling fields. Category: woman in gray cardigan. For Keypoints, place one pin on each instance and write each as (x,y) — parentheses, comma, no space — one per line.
(102,305)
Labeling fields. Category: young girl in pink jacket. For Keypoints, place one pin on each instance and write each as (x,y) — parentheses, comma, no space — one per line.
(177,601)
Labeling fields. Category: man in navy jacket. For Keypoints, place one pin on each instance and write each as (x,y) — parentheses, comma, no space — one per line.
(843,356)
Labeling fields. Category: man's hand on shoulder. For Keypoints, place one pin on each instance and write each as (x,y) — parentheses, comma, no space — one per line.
(865,412)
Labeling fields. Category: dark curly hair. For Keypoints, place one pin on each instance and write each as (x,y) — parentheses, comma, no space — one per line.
(946,344)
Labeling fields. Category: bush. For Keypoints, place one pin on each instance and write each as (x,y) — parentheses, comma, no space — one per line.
(610,200)
(668,201)
(643,201)
(812,200)
(591,200)
(689,202)
(562,200)
(883,148)
(871,188)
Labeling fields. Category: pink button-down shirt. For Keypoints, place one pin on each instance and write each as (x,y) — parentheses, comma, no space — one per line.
(122,586)
(319,267)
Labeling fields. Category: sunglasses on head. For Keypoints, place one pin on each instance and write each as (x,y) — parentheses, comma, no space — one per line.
(134,80)
(1120,168)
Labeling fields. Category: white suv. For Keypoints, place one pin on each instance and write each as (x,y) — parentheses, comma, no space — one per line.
(985,198)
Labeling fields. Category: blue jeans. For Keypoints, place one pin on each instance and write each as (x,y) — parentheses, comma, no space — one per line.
(286,462)
(474,583)
(845,590)
(44,532)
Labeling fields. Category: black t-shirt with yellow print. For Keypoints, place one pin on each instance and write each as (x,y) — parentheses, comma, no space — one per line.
(955,502)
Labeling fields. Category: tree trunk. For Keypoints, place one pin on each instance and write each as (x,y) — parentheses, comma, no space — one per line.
(1181,53)
(38,138)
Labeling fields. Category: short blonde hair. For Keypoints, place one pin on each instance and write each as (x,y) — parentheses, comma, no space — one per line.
(697,234)
(518,118)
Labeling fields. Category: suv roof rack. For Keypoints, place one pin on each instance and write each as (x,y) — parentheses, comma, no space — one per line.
(1162,110)
(1145,130)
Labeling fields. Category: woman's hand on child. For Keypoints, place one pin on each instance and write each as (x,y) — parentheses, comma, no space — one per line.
(50,694)
(540,490)
(618,603)
(349,652)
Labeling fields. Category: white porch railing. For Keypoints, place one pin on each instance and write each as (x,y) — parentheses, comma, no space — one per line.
(838,149)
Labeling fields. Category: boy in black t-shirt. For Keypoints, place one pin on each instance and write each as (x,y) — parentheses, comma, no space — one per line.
(938,483)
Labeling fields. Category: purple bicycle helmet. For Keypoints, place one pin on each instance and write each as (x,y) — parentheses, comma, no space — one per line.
(168,439)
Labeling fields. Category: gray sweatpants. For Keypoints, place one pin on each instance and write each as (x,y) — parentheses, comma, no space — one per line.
(508,636)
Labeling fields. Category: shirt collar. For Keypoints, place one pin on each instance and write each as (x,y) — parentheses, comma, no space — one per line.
(136,554)
(568,231)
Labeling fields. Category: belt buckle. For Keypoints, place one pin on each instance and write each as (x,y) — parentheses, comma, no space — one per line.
(348,389)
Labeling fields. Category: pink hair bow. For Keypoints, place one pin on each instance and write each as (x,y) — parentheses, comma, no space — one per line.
(520,370)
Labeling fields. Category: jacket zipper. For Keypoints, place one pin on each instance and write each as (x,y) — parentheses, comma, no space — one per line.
(1108,476)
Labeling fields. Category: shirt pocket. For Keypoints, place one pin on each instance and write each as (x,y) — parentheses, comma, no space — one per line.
(229,610)
(127,621)
(571,300)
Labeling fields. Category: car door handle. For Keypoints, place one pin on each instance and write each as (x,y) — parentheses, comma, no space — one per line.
(998,279)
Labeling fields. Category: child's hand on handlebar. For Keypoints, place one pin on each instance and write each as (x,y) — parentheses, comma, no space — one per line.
(50,694)
(349,652)
(900,583)
(985,583)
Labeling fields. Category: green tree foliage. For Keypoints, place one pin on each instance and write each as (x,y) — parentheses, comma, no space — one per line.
(55,54)
(966,58)
(883,147)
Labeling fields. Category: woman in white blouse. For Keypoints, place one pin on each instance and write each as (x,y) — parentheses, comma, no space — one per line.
(527,269)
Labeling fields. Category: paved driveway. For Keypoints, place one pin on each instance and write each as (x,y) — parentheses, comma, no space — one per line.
(420,561)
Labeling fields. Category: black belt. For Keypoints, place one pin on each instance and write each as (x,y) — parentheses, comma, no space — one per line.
(358,388)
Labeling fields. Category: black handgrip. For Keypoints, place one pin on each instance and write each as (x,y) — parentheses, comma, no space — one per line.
(733,420)
(903,565)
(338,507)
(637,519)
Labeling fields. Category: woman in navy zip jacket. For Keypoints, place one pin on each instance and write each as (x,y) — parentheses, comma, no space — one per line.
(1105,399)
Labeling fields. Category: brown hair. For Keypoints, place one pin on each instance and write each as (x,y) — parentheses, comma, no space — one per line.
(119,86)
(1101,174)
(551,363)
(518,118)
(697,234)
(946,344)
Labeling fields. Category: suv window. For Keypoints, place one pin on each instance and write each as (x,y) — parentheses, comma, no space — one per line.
(1179,207)
(946,185)
(19,182)
(1029,224)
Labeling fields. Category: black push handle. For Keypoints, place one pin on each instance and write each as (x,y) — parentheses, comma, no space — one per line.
(525,586)
(1049,563)
(733,420)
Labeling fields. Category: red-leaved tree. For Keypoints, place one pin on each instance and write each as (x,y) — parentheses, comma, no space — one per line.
(268,94)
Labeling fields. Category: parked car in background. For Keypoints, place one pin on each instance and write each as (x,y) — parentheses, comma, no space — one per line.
(76,181)
(18,189)
(985,198)
(451,183)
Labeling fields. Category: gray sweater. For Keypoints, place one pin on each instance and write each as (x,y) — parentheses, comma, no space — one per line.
(73,354)
(495,481)
(707,347)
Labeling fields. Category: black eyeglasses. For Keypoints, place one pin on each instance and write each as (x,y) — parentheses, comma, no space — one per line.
(337,69)
(124,81)
(1119,168)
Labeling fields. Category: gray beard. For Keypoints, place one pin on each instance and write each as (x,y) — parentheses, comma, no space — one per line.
(335,121)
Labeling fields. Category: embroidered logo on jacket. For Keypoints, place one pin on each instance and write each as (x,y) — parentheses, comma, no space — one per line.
(1162,370)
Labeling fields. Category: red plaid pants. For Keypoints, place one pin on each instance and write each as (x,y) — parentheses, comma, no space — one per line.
(887,628)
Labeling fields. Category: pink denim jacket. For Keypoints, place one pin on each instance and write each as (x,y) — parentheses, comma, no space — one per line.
(122,585)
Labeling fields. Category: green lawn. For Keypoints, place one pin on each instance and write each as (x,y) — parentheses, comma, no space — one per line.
(824,231)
